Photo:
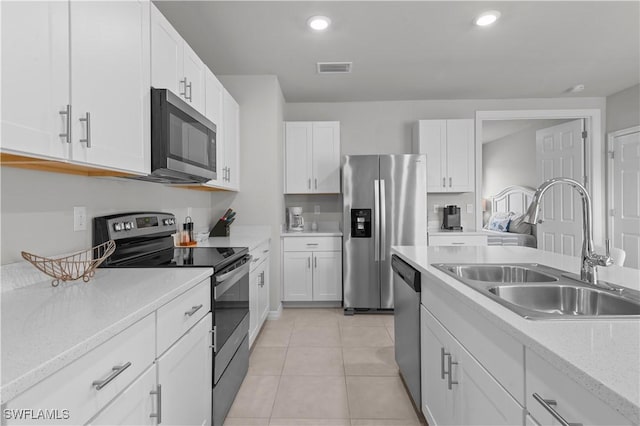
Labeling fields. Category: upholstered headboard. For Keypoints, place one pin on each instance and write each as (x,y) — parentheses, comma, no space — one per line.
(512,199)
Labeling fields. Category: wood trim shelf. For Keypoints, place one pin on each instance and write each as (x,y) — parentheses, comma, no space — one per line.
(46,165)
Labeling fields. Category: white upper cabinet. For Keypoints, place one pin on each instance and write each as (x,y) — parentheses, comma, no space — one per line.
(450,149)
(229,160)
(110,84)
(312,157)
(69,91)
(213,99)
(35,78)
(174,65)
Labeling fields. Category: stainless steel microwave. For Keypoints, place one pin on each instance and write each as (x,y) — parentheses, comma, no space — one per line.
(183,141)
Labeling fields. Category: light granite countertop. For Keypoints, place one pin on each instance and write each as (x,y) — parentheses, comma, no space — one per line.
(45,328)
(601,355)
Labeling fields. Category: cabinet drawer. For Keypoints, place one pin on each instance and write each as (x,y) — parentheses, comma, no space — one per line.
(312,244)
(72,388)
(457,240)
(260,253)
(499,353)
(573,402)
(182,313)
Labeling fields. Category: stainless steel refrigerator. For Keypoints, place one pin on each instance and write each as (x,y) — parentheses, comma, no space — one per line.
(385,204)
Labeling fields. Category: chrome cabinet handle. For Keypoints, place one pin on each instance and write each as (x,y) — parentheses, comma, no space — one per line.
(315,262)
(547,404)
(87,119)
(442,355)
(265,251)
(228,174)
(457,243)
(262,279)
(193,310)
(316,179)
(255,259)
(190,97)
(184,93)
(308,263)
(444,182)
(67,113)
(214,339)
(309,183)
(450,381)
(116,371)
(158,414)
(312,244)
(450,180)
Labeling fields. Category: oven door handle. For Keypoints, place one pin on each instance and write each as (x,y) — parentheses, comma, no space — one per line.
(225,281)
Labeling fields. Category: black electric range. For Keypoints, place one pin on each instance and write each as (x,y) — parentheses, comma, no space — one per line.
(144,240)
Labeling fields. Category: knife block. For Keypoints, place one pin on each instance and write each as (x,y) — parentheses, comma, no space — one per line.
(221,229)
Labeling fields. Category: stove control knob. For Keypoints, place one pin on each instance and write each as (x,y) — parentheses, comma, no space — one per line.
(117,227)
(127,225)
(166,222)
(132,225)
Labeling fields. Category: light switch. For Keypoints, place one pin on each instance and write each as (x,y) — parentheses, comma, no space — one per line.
(469,208)
(80,218)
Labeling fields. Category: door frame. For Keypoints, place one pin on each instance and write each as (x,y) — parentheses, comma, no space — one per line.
(610,137)
(594,161)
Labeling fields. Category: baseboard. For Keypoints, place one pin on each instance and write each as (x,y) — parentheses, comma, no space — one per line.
(328,304)
(274,315)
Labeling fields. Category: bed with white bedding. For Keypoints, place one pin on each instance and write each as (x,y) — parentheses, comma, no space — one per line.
(506,227)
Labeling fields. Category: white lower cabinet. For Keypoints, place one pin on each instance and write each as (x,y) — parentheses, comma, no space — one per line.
(312,269)
(457,239)
(184,377)
(258,289)
(456,389)
(137,405)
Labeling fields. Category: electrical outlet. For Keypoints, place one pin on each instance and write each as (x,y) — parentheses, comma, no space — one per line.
(436,208)
(469,208)
(80,218)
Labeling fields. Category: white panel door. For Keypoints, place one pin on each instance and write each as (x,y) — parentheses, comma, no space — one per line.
(460,157)
(231,134)
(166,55)
(35,77)
(297,279)
(110,62)
(326,157)
(327,275)
(185,374)
(298,156)
(134,405)
(560,153)
(433,143)
(194,72)
(626,196)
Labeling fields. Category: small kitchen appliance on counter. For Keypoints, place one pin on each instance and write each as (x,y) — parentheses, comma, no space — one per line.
(295,222)
(144,240)
(451,218)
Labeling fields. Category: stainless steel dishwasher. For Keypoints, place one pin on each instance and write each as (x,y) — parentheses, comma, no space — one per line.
(406,296)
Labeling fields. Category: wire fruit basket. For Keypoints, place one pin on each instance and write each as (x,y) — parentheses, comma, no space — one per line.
(75,266)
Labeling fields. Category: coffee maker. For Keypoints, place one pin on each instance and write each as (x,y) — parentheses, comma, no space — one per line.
(451,218)
(295,222)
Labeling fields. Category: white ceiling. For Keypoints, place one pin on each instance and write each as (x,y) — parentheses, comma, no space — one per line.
(419,49)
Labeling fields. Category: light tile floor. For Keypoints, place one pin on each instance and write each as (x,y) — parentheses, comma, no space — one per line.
(317,367)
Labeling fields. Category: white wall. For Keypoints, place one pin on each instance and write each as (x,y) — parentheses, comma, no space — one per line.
(37,208)
(385,127)
(260,200)
(623,109)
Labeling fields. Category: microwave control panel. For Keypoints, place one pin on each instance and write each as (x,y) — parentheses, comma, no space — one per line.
(360,223)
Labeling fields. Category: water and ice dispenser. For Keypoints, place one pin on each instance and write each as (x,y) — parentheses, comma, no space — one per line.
(360,223)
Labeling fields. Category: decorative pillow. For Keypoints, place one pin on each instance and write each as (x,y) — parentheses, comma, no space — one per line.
(499,221)
(519,226)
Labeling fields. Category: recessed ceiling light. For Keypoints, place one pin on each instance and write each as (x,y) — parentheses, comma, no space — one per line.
(487,18)
(319,23)
(577,88)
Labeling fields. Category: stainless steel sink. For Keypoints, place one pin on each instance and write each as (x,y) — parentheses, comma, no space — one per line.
(500,273)
(566,300)
(536,291)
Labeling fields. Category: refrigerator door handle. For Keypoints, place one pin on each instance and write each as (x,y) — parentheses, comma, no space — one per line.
(376,220)
(383,221)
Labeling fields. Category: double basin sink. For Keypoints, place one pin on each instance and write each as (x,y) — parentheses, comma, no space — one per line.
(536,291)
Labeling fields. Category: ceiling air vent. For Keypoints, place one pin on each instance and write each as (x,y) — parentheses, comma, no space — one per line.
(334,67)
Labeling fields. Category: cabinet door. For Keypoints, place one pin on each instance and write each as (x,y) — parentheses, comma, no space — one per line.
(110,81)
(35,77)
(297,278)
(167,70)
(436,399)
(254,284)
(433,143)
(327,275)
(194,72)
(135,405)
(326,157)
(263,294)
(460,156)
(231,134)
(185,373)
(213,100)
(298,155)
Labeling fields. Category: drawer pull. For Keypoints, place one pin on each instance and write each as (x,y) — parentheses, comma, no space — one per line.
(158,414)
(458,243)
(442,354)
(117,370)
(193,310)
(547,404)
(255,259)
(265,251)
(312,244)
(450,381)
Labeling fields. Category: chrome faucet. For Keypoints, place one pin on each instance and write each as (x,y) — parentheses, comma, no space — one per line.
(590,259)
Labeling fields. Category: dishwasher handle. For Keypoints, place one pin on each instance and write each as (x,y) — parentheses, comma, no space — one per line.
(408,273)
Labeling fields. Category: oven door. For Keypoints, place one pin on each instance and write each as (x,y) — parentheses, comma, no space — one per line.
(230,311)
